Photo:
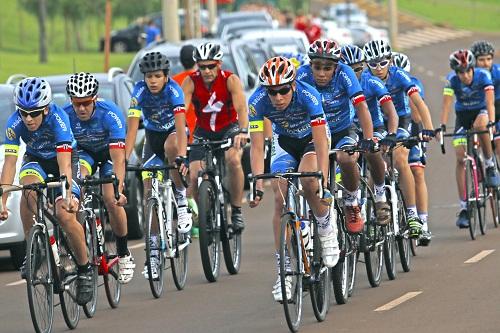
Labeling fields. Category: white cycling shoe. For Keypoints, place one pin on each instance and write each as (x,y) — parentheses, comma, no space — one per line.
(126,267)
(277,294)
(155,263)
(330,251)
(184,220)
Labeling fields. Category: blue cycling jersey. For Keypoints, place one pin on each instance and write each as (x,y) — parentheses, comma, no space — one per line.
(376,94)
(471,97)
(419,85)
(54,135)
(400,86)
(105,127)
(338,96)
(157,110)
(495,76)
(305,110)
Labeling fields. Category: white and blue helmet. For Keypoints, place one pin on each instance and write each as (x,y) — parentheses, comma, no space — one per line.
(401,60)
(351,54)
(32,93)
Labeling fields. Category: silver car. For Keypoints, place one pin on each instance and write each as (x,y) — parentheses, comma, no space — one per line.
(11,230)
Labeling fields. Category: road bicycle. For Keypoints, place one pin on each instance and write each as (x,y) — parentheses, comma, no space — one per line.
(50,261)
(163,238)
(306,270)
(214,206)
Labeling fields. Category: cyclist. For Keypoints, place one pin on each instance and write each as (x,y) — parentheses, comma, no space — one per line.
(484,52)
(417,155)
(50,149)
(297,59)
(475,109)
(378,57)
(99,129)
(160,102)
(379,103)
(342,97)
(221,111)
(299,142)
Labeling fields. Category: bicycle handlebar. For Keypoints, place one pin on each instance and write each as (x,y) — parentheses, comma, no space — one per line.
(222,144)
(91,181)
(155,169)
(467,134)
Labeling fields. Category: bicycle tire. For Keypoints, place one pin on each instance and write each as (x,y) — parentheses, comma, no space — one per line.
(209,233)
(179,262)
(152,218)
(353,261)
(403,240)
(320,280)
(89,224)
(495,206)
(340,271)
(111,285)
(68,275)
(38,268)
(483,195)
(291,245)
(372,243)
(472,200)
(231,241)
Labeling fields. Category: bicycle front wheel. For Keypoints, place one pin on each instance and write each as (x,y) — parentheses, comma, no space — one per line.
(471,186)
(89,225)
(67,293)
(340,271)
(291,270)
(209,232)
(403,239)
(231,241)
(320,279)
(483,196)
(372,243)
(111,285)
(179,262)
(155,261)
(40,285)
(495,206)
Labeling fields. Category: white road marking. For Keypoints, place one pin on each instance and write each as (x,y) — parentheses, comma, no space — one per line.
(136,246)
(398,301)
(481,255)
(16,283)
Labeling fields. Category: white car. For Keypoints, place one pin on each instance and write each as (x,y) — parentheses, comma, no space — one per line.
(364,33)
(341,35)
(281,40)
(346,14)
(11,230)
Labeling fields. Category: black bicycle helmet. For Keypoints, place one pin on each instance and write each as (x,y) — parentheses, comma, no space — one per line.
(154,61)
(482,48)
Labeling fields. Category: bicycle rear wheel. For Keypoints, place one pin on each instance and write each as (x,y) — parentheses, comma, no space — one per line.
(340,271)
(39,281)
(484,196)
(231,241)
(403,239)
(111,285)
(495,205)
(290,245)
(353,261)
(153,232)
(67,294)
(89,225)
(472,200)
(372,243)
(179,262)
(209,232)
(320,280)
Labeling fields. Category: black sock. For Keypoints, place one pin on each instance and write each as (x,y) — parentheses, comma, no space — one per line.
(121,246)
(235,209)
(83,268)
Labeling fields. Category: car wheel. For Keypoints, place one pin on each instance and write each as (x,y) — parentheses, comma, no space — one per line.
(17,254)
(134,208)
(120,47)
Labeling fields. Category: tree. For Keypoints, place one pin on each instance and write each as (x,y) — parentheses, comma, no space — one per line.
(42,18)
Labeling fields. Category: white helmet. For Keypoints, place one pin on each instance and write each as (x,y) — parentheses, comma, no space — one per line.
(277,71)
(207,51)
(82,85)
(401,60)
(377,50)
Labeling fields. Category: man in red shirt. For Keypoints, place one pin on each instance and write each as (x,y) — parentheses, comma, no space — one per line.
(221,111)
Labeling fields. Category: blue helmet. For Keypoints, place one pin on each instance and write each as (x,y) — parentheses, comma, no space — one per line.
(32,93)
(351,54)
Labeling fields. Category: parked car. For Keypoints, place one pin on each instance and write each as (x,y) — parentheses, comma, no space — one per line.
(235,28)
(346,13)
(362,34)
(11,230)
(341,35)
(117,87)
(281,40)
(241,16)
(130,38)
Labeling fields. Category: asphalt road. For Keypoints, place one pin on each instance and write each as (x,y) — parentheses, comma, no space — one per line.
(449,295)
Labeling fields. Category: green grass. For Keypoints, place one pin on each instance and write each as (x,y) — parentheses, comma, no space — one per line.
(476,15)
(59,63)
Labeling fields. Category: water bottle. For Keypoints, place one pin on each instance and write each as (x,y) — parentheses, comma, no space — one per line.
(55,252)
(306,233)
(100,237)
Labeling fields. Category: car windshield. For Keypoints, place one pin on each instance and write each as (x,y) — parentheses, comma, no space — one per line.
(7,107)
(286,45)
(60,97)
(345,12)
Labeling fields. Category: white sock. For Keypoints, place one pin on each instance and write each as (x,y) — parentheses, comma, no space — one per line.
(489,162)
(350,198)
(412,211)
(180,195)
(380,193)
(463,205)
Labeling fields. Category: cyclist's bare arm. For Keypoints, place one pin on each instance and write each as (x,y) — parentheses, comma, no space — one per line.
(180,129)
(447,106)
(187,89)
(365,119)
(118,158)
(257,159)
(8,174)
(489,96)
(64,162)
(132,127)
(391,115)
(321,148)
(235,88)
(415,116)
(422,110)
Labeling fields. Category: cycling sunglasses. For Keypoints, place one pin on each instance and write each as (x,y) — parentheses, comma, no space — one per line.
(32,113)
(382,64)
(210,66)
(283,91)
(84,103)
(358,69)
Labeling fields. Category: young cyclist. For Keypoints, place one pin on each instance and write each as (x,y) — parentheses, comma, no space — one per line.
(160,102)
(99,129)
(50,149)
(221,112)
(474,109)
(300,143)
(417,155)
(402,89)
(379,104)
(342,97)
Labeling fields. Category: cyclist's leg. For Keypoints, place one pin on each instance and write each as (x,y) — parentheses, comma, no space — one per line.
(196,163)
(235,177)
(463,122)
(480,123)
